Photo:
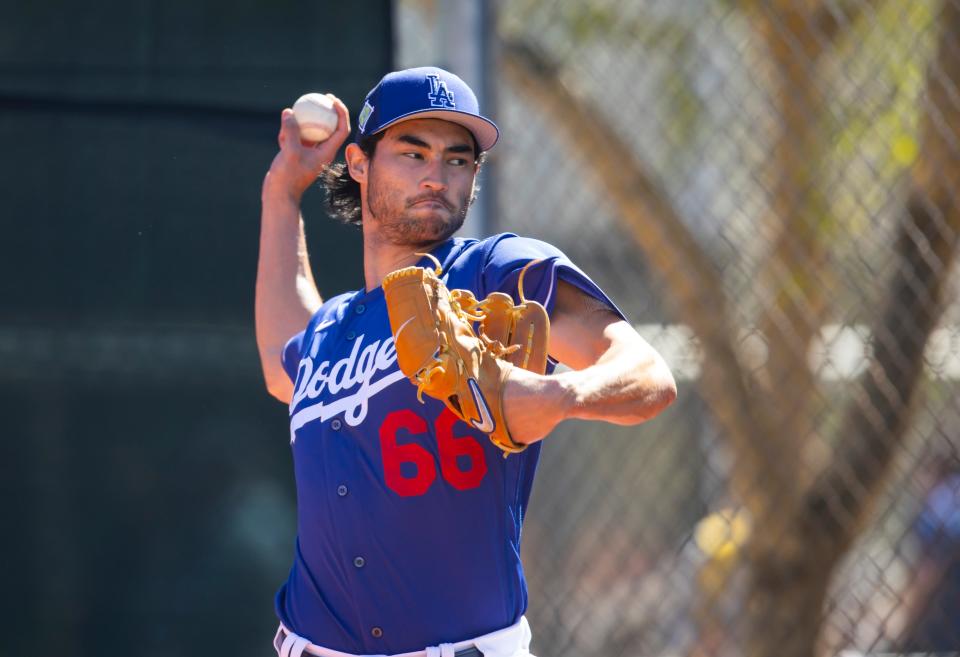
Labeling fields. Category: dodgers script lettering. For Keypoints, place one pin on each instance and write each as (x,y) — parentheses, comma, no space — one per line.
(356,371)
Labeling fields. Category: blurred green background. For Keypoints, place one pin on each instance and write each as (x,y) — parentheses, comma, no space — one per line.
(148,502)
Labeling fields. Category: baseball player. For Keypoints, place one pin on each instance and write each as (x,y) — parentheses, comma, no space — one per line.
(409,517)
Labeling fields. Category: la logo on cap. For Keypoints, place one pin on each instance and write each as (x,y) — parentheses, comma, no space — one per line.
(439,95)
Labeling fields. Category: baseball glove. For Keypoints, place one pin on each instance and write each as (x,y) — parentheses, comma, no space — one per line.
(460,350)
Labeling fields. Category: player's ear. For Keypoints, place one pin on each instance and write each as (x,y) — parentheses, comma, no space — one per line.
(357,162)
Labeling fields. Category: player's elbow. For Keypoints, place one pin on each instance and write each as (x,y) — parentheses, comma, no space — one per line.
(666,391)
(281,389)
(664,385)
(277,382)
(659,390)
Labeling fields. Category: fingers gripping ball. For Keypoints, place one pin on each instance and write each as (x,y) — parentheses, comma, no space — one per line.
(460,350)
(316,116)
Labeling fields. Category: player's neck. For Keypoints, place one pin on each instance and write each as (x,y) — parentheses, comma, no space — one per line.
(380,258)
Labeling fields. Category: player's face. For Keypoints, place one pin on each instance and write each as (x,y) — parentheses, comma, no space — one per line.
(421,181)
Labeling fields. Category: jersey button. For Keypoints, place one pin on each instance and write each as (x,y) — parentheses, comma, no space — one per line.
(360,308)
(351,335)
(359,562)
(335,425)
(376,632)
(341,490)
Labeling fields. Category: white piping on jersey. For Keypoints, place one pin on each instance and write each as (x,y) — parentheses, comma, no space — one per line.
(323,325)
(546,301)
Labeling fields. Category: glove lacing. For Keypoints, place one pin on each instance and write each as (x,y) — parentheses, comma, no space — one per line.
(465,305)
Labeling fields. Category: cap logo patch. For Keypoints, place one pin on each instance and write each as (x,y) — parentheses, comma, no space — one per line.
(364,116)
(439,95)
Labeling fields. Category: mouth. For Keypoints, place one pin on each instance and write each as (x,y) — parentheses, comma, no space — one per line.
(434,203)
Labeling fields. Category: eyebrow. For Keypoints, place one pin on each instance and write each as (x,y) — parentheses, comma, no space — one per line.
(416,141)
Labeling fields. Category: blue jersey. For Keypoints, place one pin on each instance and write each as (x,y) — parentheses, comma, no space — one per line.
(408,519)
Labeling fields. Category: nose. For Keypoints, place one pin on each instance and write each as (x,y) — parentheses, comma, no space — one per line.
(434,175)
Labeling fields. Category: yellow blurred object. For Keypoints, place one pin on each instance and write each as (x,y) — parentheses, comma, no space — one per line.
(721,533)
(904,149)
(719,536)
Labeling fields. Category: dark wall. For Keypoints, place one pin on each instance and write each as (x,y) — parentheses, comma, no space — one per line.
(148,499)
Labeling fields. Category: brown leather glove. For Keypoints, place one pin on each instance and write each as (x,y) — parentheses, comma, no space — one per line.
(460,350)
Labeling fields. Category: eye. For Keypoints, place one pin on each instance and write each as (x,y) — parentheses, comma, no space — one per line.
(413,155)
(458,161)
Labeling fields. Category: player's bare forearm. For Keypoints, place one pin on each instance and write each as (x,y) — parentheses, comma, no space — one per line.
(286,294)
(629,384)
(616,375)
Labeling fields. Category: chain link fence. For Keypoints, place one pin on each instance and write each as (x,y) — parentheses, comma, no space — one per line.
(769,190)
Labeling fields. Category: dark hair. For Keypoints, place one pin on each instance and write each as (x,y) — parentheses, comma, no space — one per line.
(343,192)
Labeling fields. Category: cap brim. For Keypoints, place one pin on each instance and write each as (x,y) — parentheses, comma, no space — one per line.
(484,130)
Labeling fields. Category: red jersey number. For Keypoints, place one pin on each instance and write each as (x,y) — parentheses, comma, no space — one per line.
(395,454)
(450,447)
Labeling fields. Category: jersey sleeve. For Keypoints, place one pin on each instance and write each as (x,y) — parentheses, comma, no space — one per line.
(290,357)
(508,254)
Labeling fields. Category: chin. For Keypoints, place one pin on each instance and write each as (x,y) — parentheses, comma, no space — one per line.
(434,229)
(420,229)
(426,238)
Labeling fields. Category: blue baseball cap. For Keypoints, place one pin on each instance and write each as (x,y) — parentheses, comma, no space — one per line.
(424,93)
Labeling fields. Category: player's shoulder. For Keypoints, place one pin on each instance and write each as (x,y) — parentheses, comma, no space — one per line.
(499,248)
(468,263)
(331,310)
(508,247)
(334,304)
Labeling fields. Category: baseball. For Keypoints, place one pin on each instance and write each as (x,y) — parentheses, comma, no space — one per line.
(316,116)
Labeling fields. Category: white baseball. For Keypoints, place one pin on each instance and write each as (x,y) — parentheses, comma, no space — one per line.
(316,116)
